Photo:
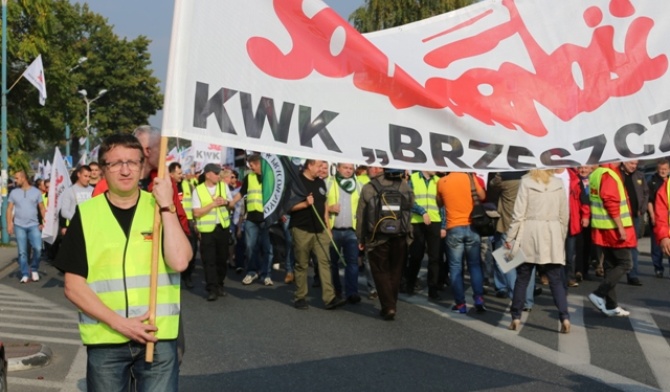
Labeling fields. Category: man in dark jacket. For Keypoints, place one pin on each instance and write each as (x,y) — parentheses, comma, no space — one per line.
(638,193)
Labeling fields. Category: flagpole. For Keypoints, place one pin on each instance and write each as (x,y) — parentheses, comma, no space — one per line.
(3,121)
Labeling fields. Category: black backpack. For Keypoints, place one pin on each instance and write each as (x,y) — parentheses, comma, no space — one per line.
(390,211)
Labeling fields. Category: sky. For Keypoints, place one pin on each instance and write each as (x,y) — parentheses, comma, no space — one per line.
(153,19)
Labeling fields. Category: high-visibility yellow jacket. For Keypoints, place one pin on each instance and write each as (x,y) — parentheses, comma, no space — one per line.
(119,270)
(600,219)
(425,197)
(207,222)
(334,197)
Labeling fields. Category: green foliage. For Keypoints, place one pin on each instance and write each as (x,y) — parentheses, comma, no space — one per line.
(384,14)
(63,33)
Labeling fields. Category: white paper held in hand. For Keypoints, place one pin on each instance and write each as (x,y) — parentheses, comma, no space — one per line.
(502,257)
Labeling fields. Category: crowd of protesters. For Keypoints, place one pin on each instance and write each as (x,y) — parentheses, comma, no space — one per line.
(571,224)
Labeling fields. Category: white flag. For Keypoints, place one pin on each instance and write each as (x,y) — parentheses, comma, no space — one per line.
(35,75)
(60,181)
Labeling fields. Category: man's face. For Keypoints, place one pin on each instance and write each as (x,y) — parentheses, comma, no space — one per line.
(212,177)
(374,171)
(20,179)
(663,170)
(255,167)
(83,177)
(151,149)
(322,169)
(124,179)
(630,166)
(315,168)
(346,170)
(177,174)
(95,172)
(584,171)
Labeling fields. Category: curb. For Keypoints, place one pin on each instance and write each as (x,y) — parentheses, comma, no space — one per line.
(39,359)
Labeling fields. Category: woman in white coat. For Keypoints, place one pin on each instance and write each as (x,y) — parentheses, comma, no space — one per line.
(539,226)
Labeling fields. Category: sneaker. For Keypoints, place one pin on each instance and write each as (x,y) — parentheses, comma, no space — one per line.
(373,295)
(616,312)
(335,302)
(460,308)
(300,304)
(598,302)
(275,266)
(268,282)
(479,304)
(289,278)
(35,276)
(249,279)
(573,283)
(24,279)
(659,274)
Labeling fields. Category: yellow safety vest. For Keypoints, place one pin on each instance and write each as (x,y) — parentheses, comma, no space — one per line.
(600,219)
(334,197)
(363,179)
(187,199)
(45,199)
(254,194)
(207,222)
(119,270)
(425,197)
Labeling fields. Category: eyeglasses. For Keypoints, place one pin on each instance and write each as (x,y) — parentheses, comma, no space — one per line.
(114,167)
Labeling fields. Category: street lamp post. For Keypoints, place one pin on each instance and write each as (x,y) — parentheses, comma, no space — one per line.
(67,126)
(88,115)
(3,115)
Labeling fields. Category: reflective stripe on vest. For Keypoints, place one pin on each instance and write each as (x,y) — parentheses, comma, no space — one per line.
(600,219)
(207,222)
(254,194)
(334,197)
(187,199)
(119,268)
(425,197)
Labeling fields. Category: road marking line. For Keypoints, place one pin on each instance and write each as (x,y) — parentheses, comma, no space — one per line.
(77,373)
(72,320)
(40,328)
(51,384)
(653,343)
(24,309)
(576,343)
(537,350)
(39,338)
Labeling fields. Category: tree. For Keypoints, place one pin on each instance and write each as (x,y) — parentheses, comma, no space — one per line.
(384,14)
(63,33)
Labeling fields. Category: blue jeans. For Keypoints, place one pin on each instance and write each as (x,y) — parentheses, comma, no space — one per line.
(463,241)
(290,256)
(505,282)
(656,253)
(347,242)
(109,367)
(24,235)
(257,238)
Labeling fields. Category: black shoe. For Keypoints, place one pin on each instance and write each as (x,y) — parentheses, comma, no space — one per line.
(433,294)
(301,304)
(634,282)
(239,270)
(354,299)
(188,282)
(501,294)
(537,291)
(220,292)
(212,296)
(335,302)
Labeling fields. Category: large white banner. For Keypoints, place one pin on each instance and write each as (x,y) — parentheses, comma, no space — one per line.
(502,84)
(60,181)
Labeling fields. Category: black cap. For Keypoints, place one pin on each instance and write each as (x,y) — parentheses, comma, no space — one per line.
(212,167)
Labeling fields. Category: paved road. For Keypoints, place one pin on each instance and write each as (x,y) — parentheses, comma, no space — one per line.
(253,339)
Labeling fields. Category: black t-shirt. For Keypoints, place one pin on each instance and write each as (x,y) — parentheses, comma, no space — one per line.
(306,219)
(252,216)
(71,255)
